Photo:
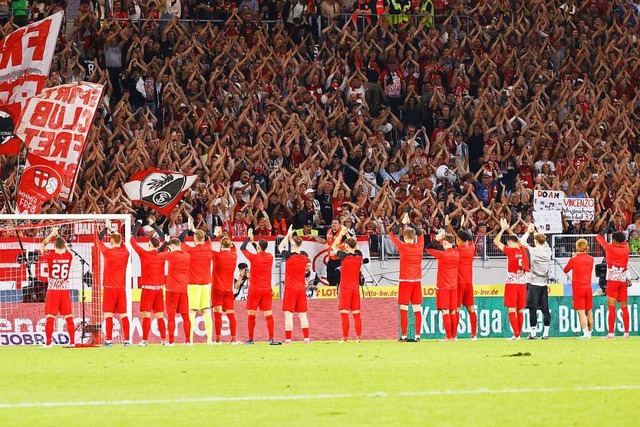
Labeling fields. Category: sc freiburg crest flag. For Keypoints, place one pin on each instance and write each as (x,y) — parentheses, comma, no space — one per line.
(41,181)
(158,189)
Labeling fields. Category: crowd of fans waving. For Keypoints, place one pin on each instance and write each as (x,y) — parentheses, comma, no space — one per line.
(307,112)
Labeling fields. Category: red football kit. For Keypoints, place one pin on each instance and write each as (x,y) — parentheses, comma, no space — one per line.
(295,285)
(177,297)
(151,279)
(582,267)
(515,289)
(58,299)
(224,265)
(259,294)
(410,288)
(115,277)
(467,252)
(349,298)
(447,280)
(617,261)
(200,263)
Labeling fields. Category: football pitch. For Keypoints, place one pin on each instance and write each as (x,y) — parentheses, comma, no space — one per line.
(488,382)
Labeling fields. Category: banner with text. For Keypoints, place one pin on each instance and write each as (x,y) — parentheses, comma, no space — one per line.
(548,200)
(25,61)
(579,209)
(55,125)
(548,222)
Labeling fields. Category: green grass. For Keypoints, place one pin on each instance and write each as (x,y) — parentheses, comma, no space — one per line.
(30,375)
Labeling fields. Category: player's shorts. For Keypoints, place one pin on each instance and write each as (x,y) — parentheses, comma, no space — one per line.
(199,297)
(114,300)
(515,296)
(58,302)
(259,299)
(465,295)
(177,302)
(152,300)
(221,298)
(537,297)
(582,299)
(410,293)
(349,299)
(617,290)
(295,301)
(447,299)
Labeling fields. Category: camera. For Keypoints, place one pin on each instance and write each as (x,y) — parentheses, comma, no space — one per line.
(29,258)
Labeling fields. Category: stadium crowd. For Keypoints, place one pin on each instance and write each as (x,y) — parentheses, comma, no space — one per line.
(304,112)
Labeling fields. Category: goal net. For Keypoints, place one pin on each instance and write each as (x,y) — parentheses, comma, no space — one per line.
(23,278)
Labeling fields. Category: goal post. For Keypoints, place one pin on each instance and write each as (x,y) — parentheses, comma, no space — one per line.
(23,277)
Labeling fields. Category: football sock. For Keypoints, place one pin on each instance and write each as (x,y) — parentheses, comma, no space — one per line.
(287,334)
(473,317)
(232,324)
(192,322)
(208,325)
(417,318)
(625,319)
(270,326)
(109,328)
(162,328)
(520,322)
(186,326)
(146,327)
(357,320)
(513,321)
(171,327)
(71,328)
(125,327)
(345,325)
(404,321)
(48,329)
(612,318)
(446,319)
(251,325)
(305,332)
(217,322)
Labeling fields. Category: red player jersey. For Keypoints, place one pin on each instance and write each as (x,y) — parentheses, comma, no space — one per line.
(261,269)
(448,261)
(582,266)
(151,266)
(295,270)
(517,265)
(617,259)
(200,263)
(410,258)
(59,266)
(224,265)
(178,277)
(350,269)
(467,252)
(115,264)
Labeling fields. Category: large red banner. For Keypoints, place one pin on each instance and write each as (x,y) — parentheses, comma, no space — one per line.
(25,61)
(40,182)
(55,125)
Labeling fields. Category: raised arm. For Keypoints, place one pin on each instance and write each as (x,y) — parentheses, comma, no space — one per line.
(45,242)
(285,241)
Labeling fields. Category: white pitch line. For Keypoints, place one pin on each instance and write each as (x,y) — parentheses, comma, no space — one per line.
(216,399)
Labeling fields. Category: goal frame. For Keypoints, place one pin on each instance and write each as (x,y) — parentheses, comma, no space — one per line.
(124,218)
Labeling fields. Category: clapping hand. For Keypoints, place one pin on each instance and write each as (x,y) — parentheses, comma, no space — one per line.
(405,218)
(250,234)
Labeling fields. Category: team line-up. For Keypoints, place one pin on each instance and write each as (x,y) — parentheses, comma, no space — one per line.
(201,279)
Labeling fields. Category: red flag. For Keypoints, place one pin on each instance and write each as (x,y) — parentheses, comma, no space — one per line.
(41,181)
(158,189)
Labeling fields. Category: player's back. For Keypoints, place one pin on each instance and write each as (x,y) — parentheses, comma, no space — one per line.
(581,267)
(115,266)
(350,271)
(410,258)
(467,253)
(448,269)
(224,265)
(261,269)
(58,268)
(200,263)
(151,265)
(295,270)
(517,259)
(178,270)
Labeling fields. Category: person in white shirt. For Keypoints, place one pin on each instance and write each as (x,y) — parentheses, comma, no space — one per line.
(538,288)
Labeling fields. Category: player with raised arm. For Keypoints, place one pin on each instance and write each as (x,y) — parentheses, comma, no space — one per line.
(58,299)
(349,290)
(152,281)
(410,287)
(295,285)
(617,256)
(538,287)
(581,267)
(333,264)
(114,300)
(515,289)
(222,297)
(177,285)
(467,250)
(447,280)
(260,295)
(199,288)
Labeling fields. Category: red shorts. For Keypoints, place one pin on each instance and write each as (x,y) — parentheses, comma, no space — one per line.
(410,293)
(447,299)
(152,300)
(582,299)
(465,295)
(58,301)
(295,300)
(259,299)
(349,299)
(617,290)
(177,302)
(222,298)
(114,300)
(515,296)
